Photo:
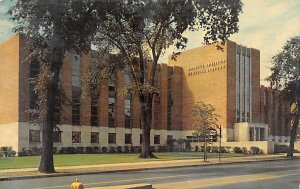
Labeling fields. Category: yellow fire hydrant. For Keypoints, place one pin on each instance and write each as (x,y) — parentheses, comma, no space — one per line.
(76,185)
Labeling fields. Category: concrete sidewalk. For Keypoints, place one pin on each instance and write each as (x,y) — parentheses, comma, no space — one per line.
(28,173)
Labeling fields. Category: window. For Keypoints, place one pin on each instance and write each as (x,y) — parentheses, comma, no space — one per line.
(262,134)
(95,137)
(34,136)
(156,139)
(257,134)
(170,139)
(76,137)
(111,101)
(76,91)
(127,107)
(127,112)
(251,133)
(94,106)
(170,99)
(128,139)
(112,138)
(56,136)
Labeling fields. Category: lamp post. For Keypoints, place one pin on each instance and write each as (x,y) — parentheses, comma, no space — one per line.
(220,140)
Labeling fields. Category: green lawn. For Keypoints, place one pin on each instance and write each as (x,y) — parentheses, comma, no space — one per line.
(92,159)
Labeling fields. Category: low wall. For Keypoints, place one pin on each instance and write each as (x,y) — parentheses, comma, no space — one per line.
(266,146)
(297,146)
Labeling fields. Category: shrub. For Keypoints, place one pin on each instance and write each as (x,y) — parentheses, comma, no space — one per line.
(13,153)
(196,148)
(162,148)
(96,149)
(136,149)
(208,148)
(254,150)
(126,149)
(228,149)
(281,148)
(170,148)
(214,149)
(245,150)
(112,149)
(79,150)
(119,149)
(7,151)
(89,150)
(188,146)
(35,151)
(237,150)
(104,149)
(21,154)
(152,148)
(62,150)
(222,149)
(69,150)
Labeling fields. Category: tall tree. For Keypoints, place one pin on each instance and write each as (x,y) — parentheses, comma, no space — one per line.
(53,27)
(205,122)
(141,31)
(286,76)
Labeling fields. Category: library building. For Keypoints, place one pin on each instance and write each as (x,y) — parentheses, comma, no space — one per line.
(229,79)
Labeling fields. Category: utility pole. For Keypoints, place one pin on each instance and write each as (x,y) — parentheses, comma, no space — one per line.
(220,140)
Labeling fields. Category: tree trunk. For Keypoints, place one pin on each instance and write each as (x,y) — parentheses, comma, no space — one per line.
(47,163)
(56,60)
(146,119)
(295,125)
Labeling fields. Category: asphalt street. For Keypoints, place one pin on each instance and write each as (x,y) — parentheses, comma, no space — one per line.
(284,174)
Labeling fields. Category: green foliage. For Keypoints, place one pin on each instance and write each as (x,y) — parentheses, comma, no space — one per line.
(286,76)
(255,150)
(205,120)
(286,69)
(104,149)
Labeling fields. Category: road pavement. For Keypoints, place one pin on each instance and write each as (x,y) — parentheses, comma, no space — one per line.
(270,174)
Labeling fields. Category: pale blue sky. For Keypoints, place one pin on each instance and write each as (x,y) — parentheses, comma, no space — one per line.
(264,24)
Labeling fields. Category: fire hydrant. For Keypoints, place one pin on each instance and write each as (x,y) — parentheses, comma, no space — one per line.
(76,185)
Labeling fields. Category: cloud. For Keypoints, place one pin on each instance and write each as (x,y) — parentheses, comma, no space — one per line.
(5,29)
(264,25)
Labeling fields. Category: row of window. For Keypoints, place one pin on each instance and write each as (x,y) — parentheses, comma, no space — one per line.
(34,136)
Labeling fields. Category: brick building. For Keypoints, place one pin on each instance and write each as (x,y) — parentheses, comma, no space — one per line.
(228,79)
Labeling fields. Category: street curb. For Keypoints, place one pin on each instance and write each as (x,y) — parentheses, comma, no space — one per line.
(140,169)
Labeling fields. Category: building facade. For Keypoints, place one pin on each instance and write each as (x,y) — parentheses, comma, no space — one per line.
(228,79)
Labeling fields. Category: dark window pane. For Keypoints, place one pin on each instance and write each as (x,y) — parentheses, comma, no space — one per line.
(76,137)
(94,137)
(128,139)
(34,136)
(111,138)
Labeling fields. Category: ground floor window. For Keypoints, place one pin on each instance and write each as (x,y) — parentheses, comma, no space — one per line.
(170,139)
(112,138)
(156,139)
(128,139)
(34,136)
(251,133)
(94,137)
(76,137)
(257,134)
(262,134)
(56,136)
